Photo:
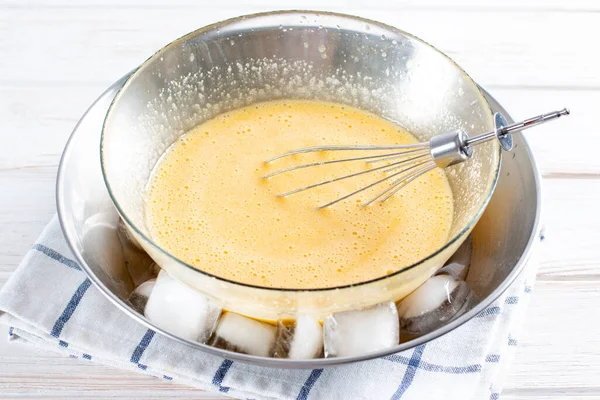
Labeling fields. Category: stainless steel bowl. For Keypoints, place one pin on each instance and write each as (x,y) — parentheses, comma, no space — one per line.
(295,54)
(502,238)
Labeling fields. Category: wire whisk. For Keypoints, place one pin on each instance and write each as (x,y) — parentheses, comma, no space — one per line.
(405,163)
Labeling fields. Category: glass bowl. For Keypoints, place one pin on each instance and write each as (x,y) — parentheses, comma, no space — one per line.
(301,55)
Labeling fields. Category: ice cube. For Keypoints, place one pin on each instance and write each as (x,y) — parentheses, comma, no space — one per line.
(458,264)
(181,310)
(139,297)
(302,340)
(440,299)
(101,241)
(244,335)
(352,333)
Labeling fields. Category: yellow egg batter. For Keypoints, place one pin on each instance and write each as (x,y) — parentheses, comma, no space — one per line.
(208,204)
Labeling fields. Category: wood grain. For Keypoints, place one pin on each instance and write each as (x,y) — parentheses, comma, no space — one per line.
(111,41)
(463,5)
(533,56)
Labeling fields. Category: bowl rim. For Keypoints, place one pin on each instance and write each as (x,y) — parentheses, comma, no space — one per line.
(176,42)
(71,238)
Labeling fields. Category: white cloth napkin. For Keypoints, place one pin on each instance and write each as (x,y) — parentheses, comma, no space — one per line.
(49,302)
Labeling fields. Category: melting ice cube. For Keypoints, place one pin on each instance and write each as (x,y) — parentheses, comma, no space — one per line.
(139,297)
(303,340)
(244,335)
(435,302)
(458,264)
(181,310)
(352,333)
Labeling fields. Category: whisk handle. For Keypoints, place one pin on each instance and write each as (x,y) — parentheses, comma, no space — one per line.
(503,130)
(456,146)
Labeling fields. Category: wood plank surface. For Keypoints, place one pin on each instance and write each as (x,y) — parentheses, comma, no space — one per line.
(57,56)
(111,41)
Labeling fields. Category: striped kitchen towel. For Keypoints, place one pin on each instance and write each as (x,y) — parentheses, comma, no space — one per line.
(49,302)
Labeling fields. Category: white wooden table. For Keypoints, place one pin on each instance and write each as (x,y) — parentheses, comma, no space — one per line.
(57,56)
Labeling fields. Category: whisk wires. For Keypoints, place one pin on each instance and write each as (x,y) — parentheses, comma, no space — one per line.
(412,160)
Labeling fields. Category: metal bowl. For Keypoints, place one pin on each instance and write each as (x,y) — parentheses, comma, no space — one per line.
(90,223)
(503,237)
(295,55)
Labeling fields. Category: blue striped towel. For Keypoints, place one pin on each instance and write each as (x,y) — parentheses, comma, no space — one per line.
(49,302)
